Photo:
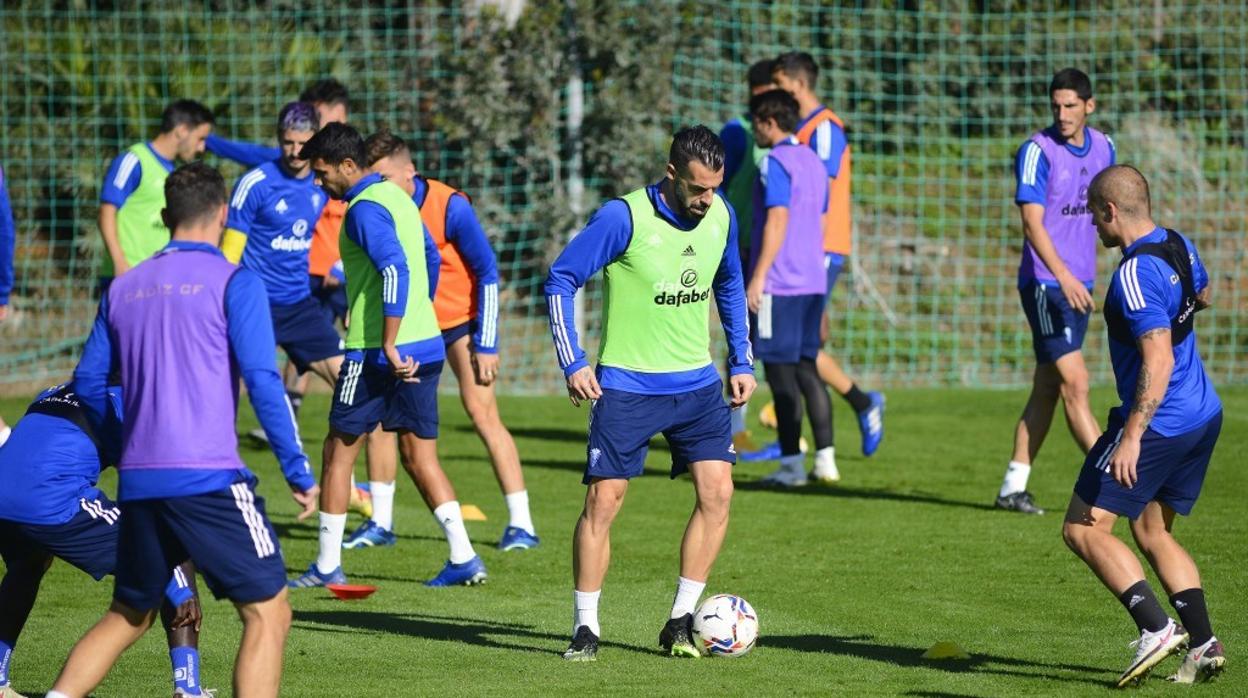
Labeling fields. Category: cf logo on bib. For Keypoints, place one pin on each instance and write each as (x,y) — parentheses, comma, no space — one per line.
(689,278)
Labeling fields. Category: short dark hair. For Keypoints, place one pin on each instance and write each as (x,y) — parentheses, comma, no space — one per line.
(298,116)
(696,143)
(192,192)
(184,112)
(1072,79)
(335,144)
(798,64)
(778,105)
(327,91)
(382,145)
(759,74)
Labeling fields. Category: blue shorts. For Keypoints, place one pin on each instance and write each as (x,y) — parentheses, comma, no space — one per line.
(786,328)
(456,333)
(303,332)
(1171,470)
(696,425)
(225,533)
(333,301)
(833,262)
(88,541)
(1056,328)
(368,394)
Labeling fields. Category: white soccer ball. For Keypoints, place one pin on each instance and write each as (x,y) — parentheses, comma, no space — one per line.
(725,626)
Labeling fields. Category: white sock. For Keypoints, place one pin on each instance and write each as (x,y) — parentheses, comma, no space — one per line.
(5,433)
(518,510)
(825,460)
(55,694)
(383,503)
(452,522)
(1016,475)
(738,419)
(795,462)
(330,556)
(585,610)
(687,594)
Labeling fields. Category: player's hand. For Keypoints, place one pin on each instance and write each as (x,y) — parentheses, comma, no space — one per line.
(742,387)
(583,385)
(485,366)
(331,281)
(120,266)
(754,294)
(1077,294)
(188,613)
(403,369)
(4,313)
(306,499)
(1122,463)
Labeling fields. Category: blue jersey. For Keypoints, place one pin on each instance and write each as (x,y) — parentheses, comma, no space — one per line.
(738,143)
(246,154)
(277,213)
(53,458)
(8,238)
(607,236)
(124,175)
(1146,293)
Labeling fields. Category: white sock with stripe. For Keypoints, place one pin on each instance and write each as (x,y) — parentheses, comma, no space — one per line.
(330,556)
(518,511)
(451,519)
(383,503)
(1016,475)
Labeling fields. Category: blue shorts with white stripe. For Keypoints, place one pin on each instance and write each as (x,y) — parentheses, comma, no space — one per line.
(368,394)
(1056,328)
(225,533)
(1170,470)
(88,541)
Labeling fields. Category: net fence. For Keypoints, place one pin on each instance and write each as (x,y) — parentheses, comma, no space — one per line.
(542,110)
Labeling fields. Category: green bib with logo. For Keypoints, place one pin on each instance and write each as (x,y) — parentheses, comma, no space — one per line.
(365,284)
(740,189)
(657,294)
(140,230)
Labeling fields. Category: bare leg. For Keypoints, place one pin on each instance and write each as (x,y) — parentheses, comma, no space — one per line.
(338,459)
(482,407)
(712,482)
(1089,532)
(591,544)
(98,650)
(184,635)
(1074,390)
(1174,566)
(1037,416)
(420,459)
(258,669)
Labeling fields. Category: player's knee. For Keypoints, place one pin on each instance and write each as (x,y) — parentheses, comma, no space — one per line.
(603,502)
(1075,388)
(482,412)
(716,497)
(1072,535)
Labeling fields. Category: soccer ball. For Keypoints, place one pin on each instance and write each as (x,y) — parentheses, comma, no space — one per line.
(725,626)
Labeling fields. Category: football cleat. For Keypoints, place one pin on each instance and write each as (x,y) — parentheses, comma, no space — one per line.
(370,535)
(767,415)
(516,538)
(785,476)
(676,638)
(464,574)
(1151,649)
(6,691)
(826,473)
(314,578)
(1020,502)
(1201,663)
(770,452)
(871,424)
(206,693)
(258,438)
(743,442)
(584,647)
(361,502)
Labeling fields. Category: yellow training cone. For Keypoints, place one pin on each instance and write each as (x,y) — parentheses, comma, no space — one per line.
(472,512)
(946,650)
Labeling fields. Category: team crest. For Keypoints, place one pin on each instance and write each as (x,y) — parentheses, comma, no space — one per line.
(281,206)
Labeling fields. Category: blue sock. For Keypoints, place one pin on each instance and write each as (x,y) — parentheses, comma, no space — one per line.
(185,669)
(6,653)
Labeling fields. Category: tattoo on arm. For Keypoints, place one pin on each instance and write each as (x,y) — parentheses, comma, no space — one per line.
(1153,333)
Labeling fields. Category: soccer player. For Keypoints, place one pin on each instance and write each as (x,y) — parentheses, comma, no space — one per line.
(8,239)
(133,192)
(394,354)
(742,156)
(269,230)
(182,328)
(663,250)
(466,304)
(1151,461)
(788,284)
(332,103)
(1053,170)
(822,130)
(50,507)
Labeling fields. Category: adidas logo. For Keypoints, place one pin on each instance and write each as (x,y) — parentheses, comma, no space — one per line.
(688,252)
(1180,605)
(1135,599)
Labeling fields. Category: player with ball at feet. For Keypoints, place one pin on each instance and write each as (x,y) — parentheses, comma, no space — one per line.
(664,251)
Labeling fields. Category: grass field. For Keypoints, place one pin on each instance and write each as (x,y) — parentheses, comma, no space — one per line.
(852,583)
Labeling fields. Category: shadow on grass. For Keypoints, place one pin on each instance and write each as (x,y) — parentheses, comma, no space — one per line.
(306,530)
(863,647)
(843,492)
(473,631)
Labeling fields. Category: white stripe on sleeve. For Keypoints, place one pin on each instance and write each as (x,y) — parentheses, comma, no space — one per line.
(823,140)
(1031,162)
(244,187)
(128,162)
(1130,280)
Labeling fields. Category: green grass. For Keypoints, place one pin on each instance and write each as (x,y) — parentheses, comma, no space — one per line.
(852,583)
